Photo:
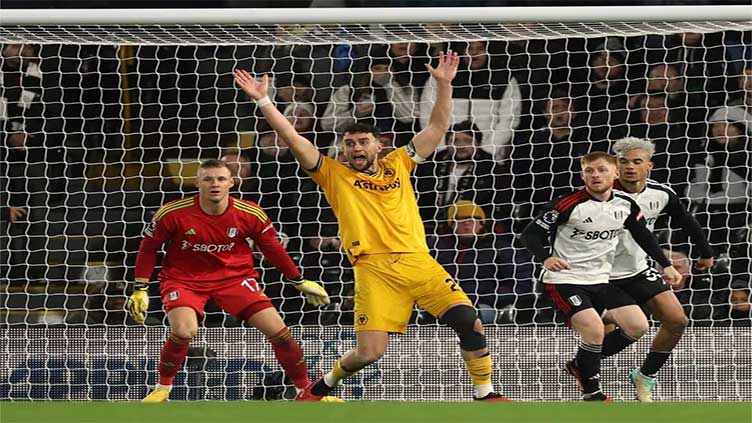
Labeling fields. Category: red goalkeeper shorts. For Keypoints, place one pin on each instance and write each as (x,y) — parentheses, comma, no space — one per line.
(241,298)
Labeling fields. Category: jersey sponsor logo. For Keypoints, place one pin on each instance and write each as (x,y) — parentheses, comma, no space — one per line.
(575,300)
(150,228)
(370,186)
(232,232)
(190,232)
(650,221)
(594,235)
(207,248)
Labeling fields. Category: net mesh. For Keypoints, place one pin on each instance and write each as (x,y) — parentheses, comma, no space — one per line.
(103,124)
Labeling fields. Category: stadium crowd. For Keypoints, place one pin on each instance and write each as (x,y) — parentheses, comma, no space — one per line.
(96,138)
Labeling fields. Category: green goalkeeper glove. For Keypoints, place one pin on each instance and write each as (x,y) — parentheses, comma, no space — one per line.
(315,294)
(138,303)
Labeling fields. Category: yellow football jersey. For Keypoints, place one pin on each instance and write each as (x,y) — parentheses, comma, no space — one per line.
(377,214)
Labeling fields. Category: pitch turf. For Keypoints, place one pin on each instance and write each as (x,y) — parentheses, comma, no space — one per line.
(366,412)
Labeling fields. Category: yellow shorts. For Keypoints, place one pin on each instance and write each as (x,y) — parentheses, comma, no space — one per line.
(387,286)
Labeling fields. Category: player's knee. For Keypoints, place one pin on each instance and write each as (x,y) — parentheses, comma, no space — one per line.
(675,323)
(636,328)
(464,321)
(592,333)
(184,333)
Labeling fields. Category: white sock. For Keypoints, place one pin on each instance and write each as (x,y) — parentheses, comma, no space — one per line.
(167,388)
(483,390)
(330,380)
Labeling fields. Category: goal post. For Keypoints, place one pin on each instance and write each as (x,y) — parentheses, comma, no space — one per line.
(106,114)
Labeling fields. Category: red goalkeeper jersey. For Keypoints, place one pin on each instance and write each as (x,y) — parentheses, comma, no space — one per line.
(206,248)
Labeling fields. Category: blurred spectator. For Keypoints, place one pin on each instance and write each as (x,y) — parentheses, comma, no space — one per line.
(23,140)
(409,65)
(241,170)
(290,89)
(545,161)
(375,96)
(492,273)
(33,159)
(723,185)
(277,179)
(743,98)
(105,305)
(675,153)
(323,260)
(462,171)
(694,291)
(302,118)
(486,93)
(708,67)
(602,89)
(667,79)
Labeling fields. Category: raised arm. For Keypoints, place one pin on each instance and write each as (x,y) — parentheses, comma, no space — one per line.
(304,151)
(441,115)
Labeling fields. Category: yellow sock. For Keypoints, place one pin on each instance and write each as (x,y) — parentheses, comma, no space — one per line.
(338,373)
(480,370)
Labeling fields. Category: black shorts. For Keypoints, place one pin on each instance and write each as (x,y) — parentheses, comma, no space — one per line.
(571,298)
(642,286)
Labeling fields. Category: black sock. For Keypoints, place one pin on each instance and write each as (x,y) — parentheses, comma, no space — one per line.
(615,342)
(321,388)
(588,361)
(653,362)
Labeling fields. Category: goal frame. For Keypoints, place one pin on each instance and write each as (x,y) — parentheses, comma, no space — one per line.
(369,15)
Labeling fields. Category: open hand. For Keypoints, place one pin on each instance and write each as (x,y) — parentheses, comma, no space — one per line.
(253,88)
(447,67)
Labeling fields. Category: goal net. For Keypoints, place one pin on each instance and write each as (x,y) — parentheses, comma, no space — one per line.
(103,123)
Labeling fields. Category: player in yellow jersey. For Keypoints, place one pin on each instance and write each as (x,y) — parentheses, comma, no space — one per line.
(382,234)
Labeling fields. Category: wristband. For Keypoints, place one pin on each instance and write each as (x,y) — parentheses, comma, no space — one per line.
(263,102)
(297,279)
(140,286)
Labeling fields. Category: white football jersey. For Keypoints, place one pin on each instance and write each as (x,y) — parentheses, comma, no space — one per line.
(585,232)
(654,200)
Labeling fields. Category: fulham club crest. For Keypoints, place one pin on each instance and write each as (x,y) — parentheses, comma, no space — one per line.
(232,232)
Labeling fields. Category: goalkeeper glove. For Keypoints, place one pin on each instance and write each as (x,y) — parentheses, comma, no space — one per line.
(314,293)
(138,303)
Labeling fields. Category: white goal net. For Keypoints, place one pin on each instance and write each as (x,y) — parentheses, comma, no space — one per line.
(102,124)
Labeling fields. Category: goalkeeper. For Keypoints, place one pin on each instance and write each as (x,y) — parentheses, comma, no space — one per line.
(383,235)
(209,256)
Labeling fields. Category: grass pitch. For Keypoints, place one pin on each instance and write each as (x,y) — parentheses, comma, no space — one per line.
(367,412)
